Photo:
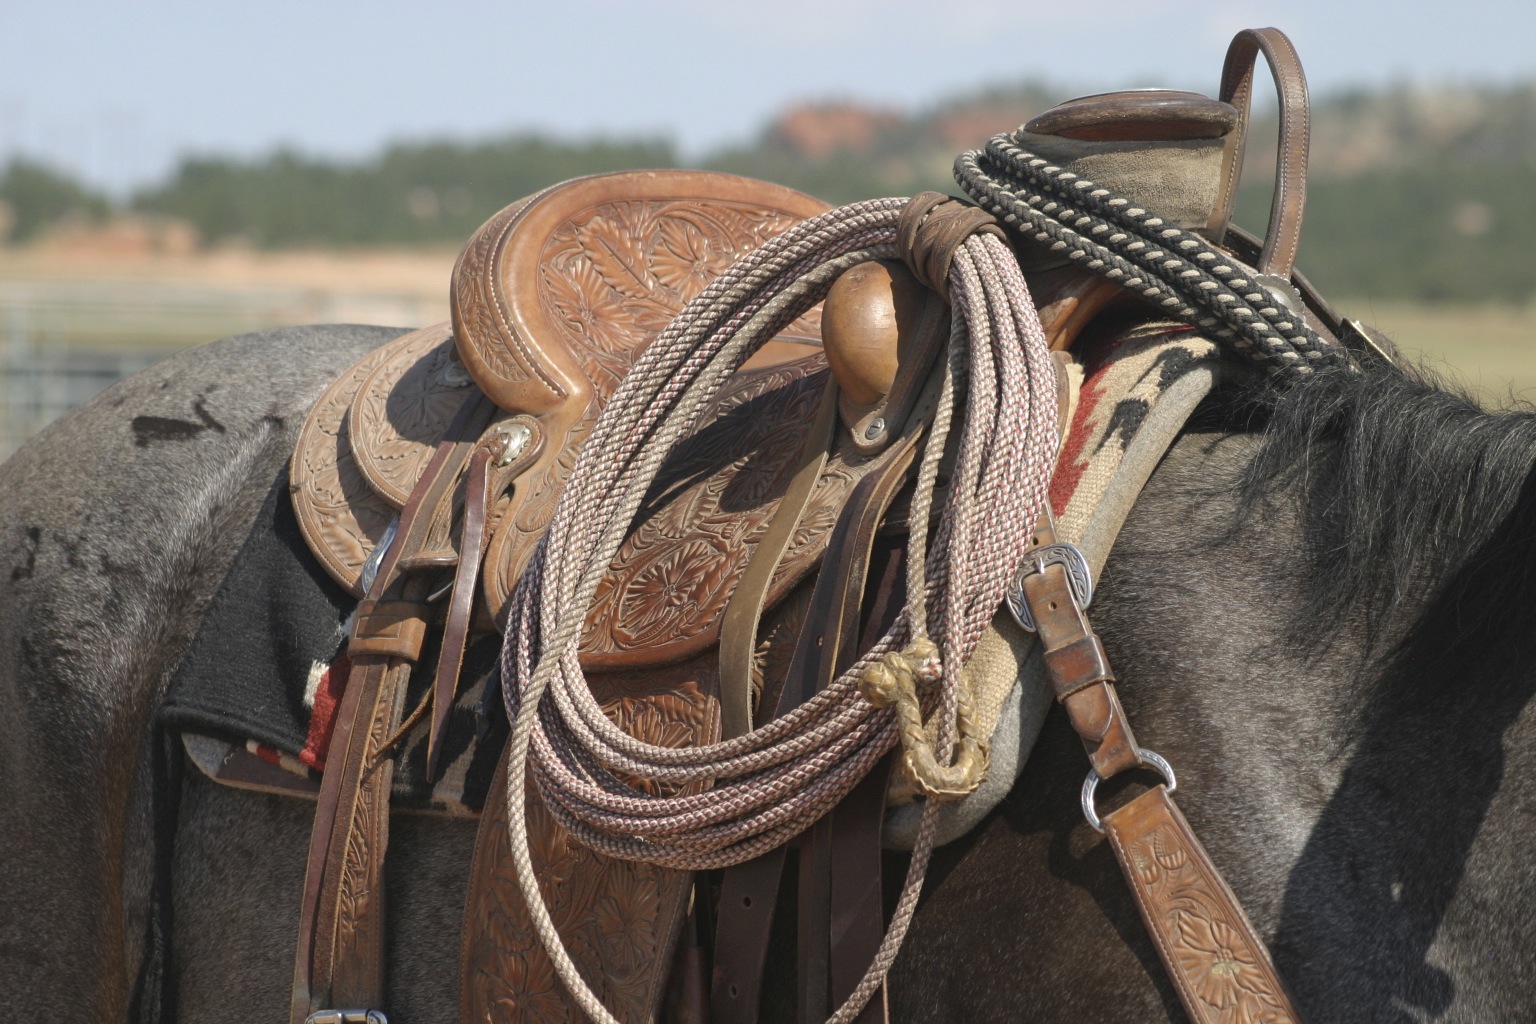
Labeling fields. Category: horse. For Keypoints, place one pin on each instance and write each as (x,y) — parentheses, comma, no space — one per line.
(1314,610)
(1319,611)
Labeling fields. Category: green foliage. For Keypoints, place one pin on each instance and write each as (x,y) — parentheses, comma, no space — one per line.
(37,196)
(1415,194)
(1436,232)
(413,193)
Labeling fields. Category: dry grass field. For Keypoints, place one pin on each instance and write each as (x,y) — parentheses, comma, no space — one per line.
(82,310)
(124,295)
(1491,349)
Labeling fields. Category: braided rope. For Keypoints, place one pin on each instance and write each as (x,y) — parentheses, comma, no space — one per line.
(1175,269)
(772,783)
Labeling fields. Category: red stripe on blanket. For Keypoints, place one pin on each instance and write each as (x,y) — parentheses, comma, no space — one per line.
(1098,357)
(1073,462)
(322,718)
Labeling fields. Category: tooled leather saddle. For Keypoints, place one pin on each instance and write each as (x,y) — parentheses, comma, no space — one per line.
(425,475)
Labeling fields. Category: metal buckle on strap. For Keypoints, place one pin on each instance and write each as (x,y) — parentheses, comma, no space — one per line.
(347,1017)
(1079,579)
(1144,757)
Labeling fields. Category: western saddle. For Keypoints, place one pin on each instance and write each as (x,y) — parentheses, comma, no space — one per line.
(426,475)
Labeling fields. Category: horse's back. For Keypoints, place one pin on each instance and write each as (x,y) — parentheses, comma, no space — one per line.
(116,524)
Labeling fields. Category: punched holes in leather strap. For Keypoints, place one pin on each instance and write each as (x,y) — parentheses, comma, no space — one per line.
(932,227)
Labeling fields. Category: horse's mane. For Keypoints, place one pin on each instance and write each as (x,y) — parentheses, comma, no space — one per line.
(1406,488)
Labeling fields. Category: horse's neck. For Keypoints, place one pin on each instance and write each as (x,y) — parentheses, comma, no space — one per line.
(1360,798)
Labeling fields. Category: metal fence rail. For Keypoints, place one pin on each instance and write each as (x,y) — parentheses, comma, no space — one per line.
(63,341)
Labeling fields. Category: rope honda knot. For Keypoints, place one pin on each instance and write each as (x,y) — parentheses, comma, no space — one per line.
(898,680)
(896,676)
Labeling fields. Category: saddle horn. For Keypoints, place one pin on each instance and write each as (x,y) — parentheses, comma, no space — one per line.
(1163,146)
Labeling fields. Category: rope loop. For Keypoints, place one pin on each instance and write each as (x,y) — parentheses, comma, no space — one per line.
(1172,268)
(727,802)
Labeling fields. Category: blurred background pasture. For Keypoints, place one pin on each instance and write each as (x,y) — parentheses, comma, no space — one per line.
(174,173)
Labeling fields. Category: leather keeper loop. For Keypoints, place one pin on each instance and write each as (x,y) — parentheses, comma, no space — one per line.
(1099,721)
(1078,664)
(931,228)
(390,629)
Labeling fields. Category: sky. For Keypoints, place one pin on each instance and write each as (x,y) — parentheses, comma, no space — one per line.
(116,91)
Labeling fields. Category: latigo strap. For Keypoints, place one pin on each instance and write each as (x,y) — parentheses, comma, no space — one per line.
(341,926)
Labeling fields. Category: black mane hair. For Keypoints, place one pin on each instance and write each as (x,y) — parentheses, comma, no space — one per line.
(1406,489)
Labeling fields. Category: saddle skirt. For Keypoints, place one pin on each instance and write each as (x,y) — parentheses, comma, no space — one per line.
(374,429)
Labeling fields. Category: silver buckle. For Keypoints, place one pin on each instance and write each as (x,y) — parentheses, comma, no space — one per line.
(347,1017)
(1079,579)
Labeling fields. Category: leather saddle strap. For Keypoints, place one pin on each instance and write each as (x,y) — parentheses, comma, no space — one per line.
(748,891)
(1284,235)
(853,917)
(738,628)
(839,915)
(461,601)
(346,961)
(492,468)
(1218,963)
(1195,921)
(340,956)
(1076,663)
(856,913)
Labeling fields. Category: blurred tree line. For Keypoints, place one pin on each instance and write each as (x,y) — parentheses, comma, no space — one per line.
(35,197)
(1415,193)
(432,192)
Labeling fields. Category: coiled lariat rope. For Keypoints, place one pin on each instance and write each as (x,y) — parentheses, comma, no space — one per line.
(1170,267)
(774,782)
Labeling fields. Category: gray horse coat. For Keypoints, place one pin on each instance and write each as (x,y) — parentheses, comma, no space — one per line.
(1379,843)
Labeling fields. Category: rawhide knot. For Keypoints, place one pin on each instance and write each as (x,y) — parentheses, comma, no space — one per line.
(884,680)
(896,680)
(932,228)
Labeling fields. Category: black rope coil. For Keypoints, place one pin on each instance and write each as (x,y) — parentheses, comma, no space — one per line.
(1177,270)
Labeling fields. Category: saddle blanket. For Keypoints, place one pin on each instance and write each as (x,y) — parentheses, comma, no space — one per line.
(255,697)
